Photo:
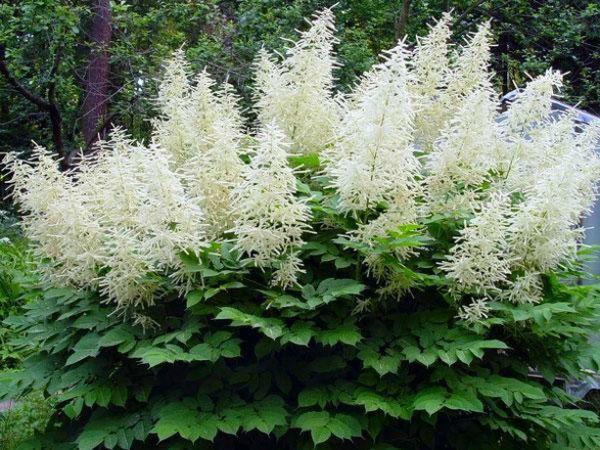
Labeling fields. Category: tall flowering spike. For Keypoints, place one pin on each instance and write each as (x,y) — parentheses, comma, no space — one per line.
(471,68)
(534,103)
(373,160)
(172,127)
(431,62)
(54,219)
(204,110)
(270,219)
(229,105)
(215,166)
(211,104)
(146,216)
(559,186)
(174,85)
(297,93)
(465,156)
(210,176)
(431,67)
(480,262)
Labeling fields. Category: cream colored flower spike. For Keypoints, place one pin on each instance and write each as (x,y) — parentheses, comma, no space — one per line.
(297,93)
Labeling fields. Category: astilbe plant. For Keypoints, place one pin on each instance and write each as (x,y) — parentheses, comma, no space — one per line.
(391,268)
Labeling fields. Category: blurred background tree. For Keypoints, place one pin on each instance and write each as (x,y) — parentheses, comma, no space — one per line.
(70,69)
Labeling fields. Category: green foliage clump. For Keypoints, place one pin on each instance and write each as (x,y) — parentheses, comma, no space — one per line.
(16,282)
(240,364)
(19,423)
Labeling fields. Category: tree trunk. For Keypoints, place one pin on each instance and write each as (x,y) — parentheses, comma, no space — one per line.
(402,20)
(96,82)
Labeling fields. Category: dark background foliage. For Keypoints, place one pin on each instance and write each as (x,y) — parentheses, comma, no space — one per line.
(53,48)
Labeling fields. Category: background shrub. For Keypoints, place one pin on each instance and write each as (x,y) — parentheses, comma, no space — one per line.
(378,270)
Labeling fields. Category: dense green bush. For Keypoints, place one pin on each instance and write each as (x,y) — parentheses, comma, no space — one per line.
(284,370)
(17,281)
(24,419)
(18,286)
(395,268)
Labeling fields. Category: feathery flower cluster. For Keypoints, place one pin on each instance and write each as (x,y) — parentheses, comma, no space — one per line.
(270,220)
(297,92)
(201,126)
(431,66)
(466,155)
(373,160)
(115,223)
(481,261)
(421,136)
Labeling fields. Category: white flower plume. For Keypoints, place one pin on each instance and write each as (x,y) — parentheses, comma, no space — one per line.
(270,219)
(122,218)
(480,261)
(463,157)
(558,189)
(533,104)
(373,160)
(431,67)
(189,111)
(297,93)
(171,127)
(471,66)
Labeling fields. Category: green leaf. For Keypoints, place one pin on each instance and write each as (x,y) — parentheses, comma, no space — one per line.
(346,333)
(264,415)
(154,356)
(430,399)
(427,358)
(342,263)
(310,397)
(464,400)
(203,352)
(382,364)
(307,161)
(372,401)
(300,333)
(230,423)
(224,287)
(312,420)
(332,288)
(89,440)
(184,419)
(270,327)
(194,297)
(86,347)
(320,434)
(411,352)
(118,335)
(344,426)
(73,408)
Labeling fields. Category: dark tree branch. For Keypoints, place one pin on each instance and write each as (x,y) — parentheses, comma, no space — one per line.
(466,12)
(49,106)
(33,98)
